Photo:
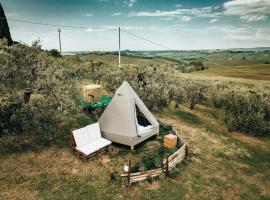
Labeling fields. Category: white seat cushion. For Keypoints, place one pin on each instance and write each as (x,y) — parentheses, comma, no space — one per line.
(94,146)
(145,129)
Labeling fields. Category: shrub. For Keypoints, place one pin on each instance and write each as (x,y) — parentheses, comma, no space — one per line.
(154,86)
(194,66)
(197,90)
(245,109)
(55,53)
(37,91)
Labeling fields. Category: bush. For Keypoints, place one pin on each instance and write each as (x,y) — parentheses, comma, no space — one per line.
(37,91)
(245,109)
(197,90)
(154,86)
(55,53)
(194,66)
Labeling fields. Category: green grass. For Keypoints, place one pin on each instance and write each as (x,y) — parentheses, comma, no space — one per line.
(84,120)
(220,166)
(188,117)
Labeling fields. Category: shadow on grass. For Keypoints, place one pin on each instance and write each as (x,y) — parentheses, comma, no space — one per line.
(34,142)
(188,117)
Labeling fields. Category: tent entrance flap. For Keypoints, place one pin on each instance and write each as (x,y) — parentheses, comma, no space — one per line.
(141,119)
(143,124)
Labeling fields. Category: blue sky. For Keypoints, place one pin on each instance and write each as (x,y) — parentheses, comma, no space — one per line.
(177,24)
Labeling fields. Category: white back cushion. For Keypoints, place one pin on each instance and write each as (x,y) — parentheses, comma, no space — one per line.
(93,131)
(81,136)
(86,135)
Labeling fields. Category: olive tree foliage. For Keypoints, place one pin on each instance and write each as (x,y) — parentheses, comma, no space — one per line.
(197,90)
(154,86)
(37,90)
(96,71)
(245,109)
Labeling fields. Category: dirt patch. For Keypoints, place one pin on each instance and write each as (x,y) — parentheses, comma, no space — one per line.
(131,191)
(19,193)
(153,186)
(177,178)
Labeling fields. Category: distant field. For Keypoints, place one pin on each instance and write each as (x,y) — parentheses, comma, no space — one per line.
(240,66)
(113,59)
(256,72)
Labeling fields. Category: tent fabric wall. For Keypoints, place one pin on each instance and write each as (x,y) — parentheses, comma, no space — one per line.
(118,122)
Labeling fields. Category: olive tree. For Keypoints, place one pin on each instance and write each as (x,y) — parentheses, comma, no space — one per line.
(152,84)
(97,70)
(197,90)
(37,90)
(245,109)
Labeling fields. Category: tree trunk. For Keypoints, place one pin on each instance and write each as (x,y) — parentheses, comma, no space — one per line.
(27,95)
(192,104)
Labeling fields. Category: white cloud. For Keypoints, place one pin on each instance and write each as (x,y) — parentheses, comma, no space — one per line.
(253,18)
(180,12)
(157,13)
(89,14)
(133,27)
(89,30)
(185,18)
(168,18)
(214,20)
(242,34)
(130,3)
(111,27)
(248,10)
(117,14)
(11,14)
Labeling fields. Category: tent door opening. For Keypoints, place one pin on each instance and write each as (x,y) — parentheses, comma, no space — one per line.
(143,124)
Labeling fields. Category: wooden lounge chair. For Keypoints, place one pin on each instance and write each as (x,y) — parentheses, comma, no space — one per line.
(87,142)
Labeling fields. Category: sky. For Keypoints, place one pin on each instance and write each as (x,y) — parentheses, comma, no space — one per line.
(175,24)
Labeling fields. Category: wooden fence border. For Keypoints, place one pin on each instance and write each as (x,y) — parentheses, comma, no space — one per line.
(168,164)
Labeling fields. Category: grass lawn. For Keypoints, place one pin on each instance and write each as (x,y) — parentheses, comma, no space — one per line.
(222,165)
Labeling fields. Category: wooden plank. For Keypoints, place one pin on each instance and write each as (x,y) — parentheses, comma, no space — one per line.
(137,179)
(173,160)
(146,175)
(142,173)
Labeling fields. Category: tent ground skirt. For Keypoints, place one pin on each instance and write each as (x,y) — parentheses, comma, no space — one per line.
(130,141)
